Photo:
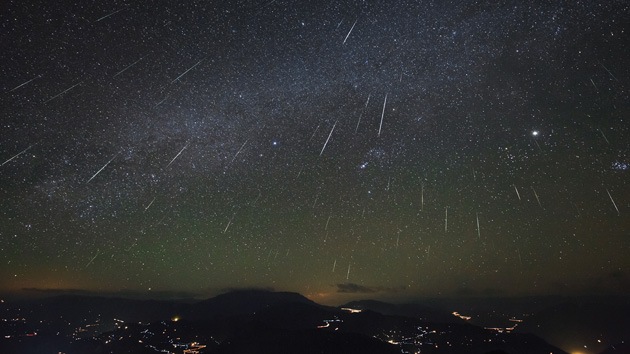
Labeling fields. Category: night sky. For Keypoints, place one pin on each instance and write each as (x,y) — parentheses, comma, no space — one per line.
(334,148)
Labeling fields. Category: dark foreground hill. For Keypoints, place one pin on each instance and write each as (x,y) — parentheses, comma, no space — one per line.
(594,322)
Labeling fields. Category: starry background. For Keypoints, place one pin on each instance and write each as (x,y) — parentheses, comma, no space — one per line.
(333,148)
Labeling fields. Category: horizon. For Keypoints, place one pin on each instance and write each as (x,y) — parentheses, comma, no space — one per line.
(487,315)
(340,300)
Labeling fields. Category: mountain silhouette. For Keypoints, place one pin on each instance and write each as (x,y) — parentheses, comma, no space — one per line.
(246,321)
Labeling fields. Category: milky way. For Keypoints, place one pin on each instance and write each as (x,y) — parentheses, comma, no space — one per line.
(405,148)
